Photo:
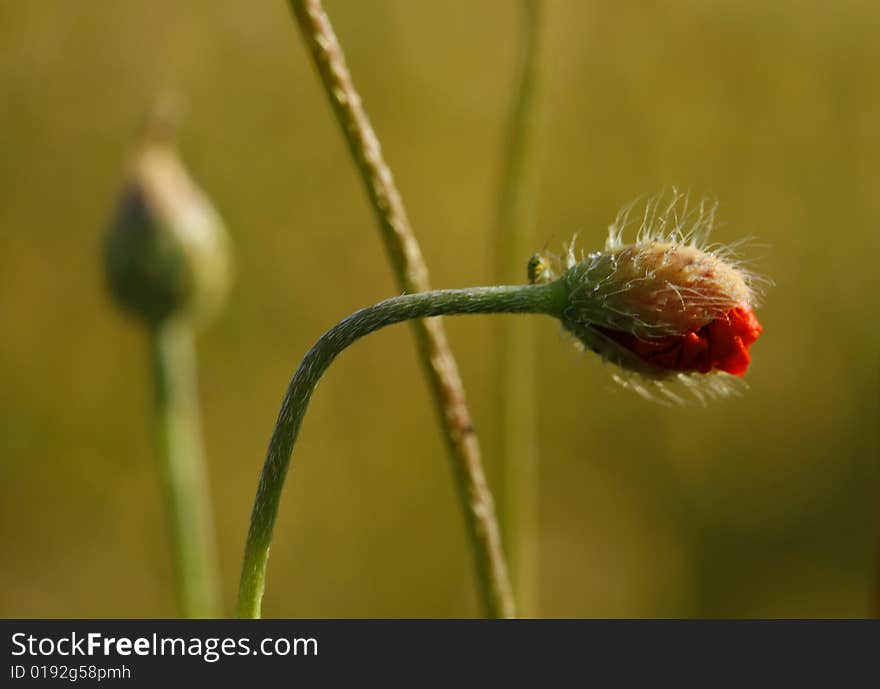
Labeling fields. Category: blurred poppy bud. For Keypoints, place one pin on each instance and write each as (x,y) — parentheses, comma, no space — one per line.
(666,305)
(166,252)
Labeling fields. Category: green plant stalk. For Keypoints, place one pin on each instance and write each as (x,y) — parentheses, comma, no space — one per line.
(182,469)
(411,275)
(544,299)
(516,347)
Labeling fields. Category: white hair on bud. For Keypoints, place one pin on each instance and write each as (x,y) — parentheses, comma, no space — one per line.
(681,388)
(666,218)
(671,217)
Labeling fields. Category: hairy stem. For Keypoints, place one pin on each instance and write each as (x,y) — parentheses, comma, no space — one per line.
(547,299)
(516,353)
(411,275)
(182,469)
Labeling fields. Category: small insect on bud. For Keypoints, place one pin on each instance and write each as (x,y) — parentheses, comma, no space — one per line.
(667,307)
(539,270)
(166,252)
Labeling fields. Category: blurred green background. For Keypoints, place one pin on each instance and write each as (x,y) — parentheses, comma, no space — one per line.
(763,505)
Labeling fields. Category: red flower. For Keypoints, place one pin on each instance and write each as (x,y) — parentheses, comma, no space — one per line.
(721,345)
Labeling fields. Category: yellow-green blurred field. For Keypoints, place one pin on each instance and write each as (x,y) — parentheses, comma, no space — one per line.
(763,505)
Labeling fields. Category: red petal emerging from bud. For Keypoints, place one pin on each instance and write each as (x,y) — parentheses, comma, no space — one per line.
(721,345)
(731,338)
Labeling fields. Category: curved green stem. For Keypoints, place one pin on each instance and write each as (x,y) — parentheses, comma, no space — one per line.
(516,352)
(182,469)
(547,299)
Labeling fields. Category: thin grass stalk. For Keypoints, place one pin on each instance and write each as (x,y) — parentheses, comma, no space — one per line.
(515,233)
(411,275)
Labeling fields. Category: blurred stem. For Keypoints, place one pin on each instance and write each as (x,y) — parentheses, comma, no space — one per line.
(411,275)
(547,299)
(182,469)
(516,346)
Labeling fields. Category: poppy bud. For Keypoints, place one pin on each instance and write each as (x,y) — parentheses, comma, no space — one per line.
(663,306)
(166,252)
